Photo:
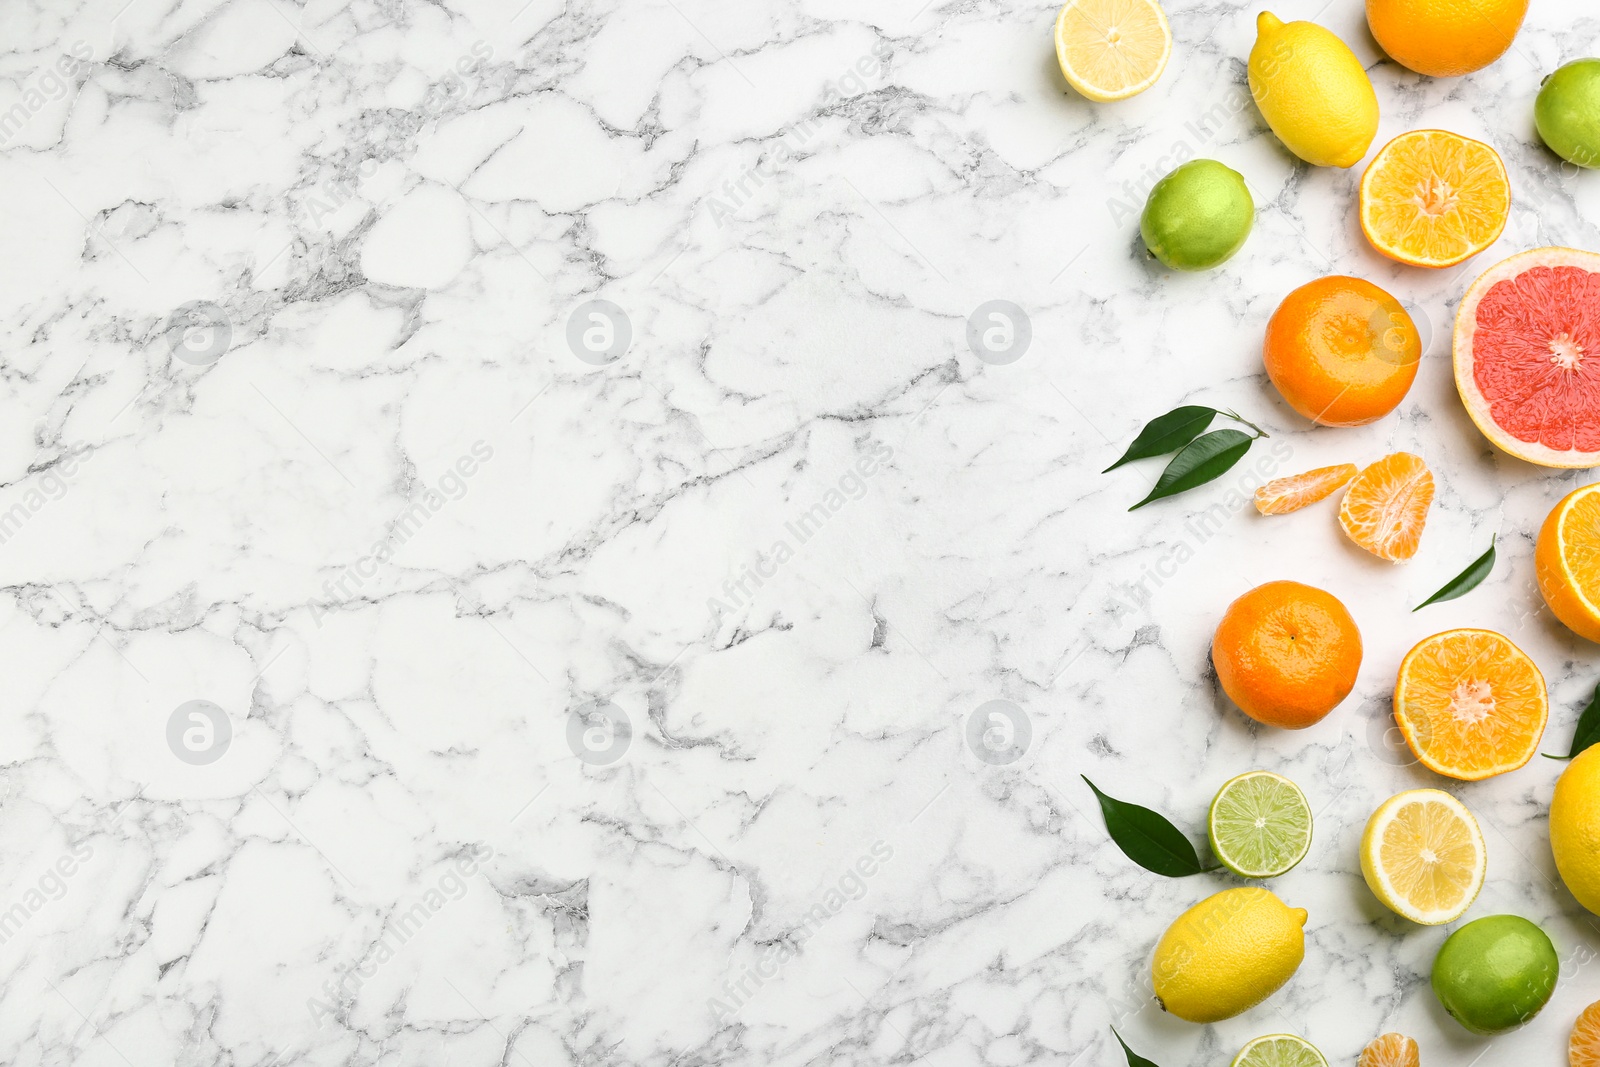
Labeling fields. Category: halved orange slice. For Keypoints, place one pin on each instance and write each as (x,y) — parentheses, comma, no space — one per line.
(1390,1050)
(1470,703)
(1566,561)
(1583,1049)
(1283,495)
(1386,506)
(1431,198)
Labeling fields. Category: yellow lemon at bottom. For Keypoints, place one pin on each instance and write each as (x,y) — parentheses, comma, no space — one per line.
(1227,954)
(1313,92)
(1575,827)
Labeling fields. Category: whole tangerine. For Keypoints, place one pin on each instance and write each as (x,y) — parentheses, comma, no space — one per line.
(1445,38)
(1342,351)
(1287,653)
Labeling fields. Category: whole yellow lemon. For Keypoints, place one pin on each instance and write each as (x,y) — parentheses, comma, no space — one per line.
(1444,38)
(1313,92)
(1575,827)
(1227,954)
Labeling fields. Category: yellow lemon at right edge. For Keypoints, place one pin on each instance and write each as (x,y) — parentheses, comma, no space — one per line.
(1575,827)
(1313,92)
(1227,954)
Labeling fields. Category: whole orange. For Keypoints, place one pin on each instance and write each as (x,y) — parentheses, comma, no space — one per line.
(1342,351)
(1444,38)
(1287,653)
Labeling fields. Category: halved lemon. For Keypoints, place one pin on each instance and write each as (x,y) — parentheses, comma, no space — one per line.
(1422,854)
(1567,561)
(1431,198)
(1470,704)
(1112,49)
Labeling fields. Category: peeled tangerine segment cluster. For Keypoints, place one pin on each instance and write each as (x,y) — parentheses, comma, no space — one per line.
(1527,356)
(1583,1050)
(1431,198)
(1283,495)
(1386,506)
(1470,703)
(1390,1050)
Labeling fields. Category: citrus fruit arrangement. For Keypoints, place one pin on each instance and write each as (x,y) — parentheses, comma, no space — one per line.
(1343,352)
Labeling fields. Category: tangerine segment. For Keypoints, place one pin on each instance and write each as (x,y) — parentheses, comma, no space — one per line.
(1583,1050)
(1386,506)
(1470,703)
(1567,561)
(1527,338)
(1283,495)
(1342,351)
(1431,198)
(1390,1050)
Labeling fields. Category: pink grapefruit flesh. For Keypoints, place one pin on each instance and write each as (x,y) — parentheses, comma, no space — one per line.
(1527,356)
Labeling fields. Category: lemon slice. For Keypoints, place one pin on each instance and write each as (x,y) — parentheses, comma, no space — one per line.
(1280,1050)
(1423,856)
(1112,49)
(1260,824)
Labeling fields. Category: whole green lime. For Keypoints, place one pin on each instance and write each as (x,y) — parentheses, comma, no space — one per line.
(1568,112)
(1197,216)
(1495,973)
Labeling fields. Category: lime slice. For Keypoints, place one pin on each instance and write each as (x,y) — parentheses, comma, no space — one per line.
(1279,1050)
(1260,824)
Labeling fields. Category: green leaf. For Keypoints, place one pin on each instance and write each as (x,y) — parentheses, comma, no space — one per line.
(1134,1059)
(1147,838)
(1466,581)
(1588,731)
(1168,433)
(1206,457)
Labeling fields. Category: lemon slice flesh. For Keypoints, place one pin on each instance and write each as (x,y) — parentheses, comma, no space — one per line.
(1280,1050)
(1422,854)
(1112,49)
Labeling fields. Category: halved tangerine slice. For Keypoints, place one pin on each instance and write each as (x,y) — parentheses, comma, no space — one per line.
(1386,506)
(1390,1050)
(1583,1049)
(1527,356)
(1431,198)
(1283,495)
(1470,703)
(1566,561)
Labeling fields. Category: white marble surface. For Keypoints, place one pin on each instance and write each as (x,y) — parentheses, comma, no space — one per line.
(381,518)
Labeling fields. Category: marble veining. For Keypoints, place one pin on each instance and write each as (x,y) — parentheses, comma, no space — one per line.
(547,533)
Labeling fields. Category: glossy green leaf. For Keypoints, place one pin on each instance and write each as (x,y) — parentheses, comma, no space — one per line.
(1466,581)
(1588,731)
(1206,457)
(1134,1059)
(1147,838)
(1168,433)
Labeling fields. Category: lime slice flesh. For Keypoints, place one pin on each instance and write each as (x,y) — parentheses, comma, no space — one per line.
(1280,1050)
(1260,824)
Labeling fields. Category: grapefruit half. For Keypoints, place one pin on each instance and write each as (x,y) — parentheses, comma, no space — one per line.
(1527,356)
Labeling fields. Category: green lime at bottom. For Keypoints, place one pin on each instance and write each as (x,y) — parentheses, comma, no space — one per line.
(1495,973)
(1197,216)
